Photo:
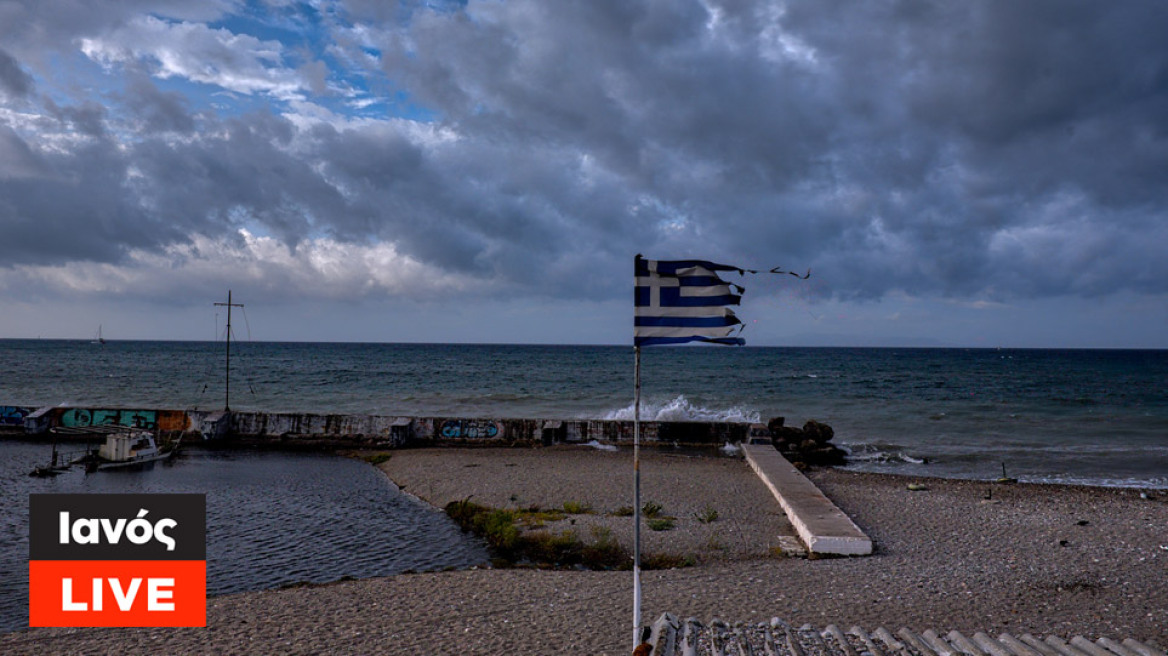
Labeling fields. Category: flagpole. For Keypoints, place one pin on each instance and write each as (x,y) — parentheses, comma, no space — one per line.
(637,498)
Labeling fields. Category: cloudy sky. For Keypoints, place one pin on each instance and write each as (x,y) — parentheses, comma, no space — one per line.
(953,173)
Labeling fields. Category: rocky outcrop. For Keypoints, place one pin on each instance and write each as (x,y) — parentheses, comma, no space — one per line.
(807,446)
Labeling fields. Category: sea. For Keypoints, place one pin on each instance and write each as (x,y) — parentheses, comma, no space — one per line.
(1087,417)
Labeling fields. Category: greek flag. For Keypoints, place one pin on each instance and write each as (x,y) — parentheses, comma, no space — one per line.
(680,301)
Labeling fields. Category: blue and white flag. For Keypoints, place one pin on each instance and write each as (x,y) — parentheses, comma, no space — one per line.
(678,301)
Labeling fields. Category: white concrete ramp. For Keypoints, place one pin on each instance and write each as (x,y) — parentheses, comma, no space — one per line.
(823,527)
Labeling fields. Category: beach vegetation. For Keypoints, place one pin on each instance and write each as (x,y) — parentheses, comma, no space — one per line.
(623,511)
(667,561)
(606,553)
(707,515)
(652,509)
(602,534)
(463,511)
(534,516)
(499,529)
(546,548)
(577,508)
(503,530)
(376,458)
(660,524)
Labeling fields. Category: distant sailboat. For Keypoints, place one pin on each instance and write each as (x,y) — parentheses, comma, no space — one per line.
(100,339)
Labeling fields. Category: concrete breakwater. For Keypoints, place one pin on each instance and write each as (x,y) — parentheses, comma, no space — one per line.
(374,431)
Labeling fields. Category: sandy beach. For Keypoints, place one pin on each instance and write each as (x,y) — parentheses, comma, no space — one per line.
(959,555)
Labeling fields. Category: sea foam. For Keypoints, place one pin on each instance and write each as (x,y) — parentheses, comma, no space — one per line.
(680,409)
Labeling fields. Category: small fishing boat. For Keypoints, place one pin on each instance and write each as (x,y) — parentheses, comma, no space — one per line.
(127,448)
(45,471)
(56,465)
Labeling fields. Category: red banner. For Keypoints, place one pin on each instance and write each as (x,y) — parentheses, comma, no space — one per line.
(117,593)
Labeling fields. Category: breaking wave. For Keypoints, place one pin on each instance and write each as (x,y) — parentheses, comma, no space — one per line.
(680,409)
(881,453)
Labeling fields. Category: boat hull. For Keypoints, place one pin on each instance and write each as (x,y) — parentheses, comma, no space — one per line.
(125,464)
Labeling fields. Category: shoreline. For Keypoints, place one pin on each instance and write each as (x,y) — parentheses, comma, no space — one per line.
(354,450)
(1048,559)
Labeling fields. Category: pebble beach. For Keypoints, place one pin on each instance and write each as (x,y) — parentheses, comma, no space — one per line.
(950,555)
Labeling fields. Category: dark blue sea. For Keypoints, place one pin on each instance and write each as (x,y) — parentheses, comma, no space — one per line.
(1098,417)
(1095,417)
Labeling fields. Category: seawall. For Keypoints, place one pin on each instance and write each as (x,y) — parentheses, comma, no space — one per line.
(306,430)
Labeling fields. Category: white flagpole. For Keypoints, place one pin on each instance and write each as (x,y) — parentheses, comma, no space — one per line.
(637,498)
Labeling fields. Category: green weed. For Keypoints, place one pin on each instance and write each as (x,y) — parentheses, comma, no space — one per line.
(667,561)
(513,546)
(577,508)
(660,524)
(652,509)
(376,458)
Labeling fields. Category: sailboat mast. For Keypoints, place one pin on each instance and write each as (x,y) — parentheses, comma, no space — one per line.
(227,370)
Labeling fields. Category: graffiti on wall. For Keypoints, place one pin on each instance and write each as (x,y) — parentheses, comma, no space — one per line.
(85,417)
(469,428)
(11,415)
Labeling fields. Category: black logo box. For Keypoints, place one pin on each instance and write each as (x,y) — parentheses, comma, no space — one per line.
(189,511)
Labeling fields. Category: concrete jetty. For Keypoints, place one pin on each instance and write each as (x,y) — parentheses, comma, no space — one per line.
(822,526)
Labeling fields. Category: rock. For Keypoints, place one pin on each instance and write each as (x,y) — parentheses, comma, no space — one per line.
(809,446)
(821,433)
(787,434)
(829,455)
(786,440)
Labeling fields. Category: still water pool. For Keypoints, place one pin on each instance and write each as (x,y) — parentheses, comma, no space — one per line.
(273,518)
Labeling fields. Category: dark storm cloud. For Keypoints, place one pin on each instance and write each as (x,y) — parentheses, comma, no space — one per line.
(17,160)
(74,207)
(1028,137)
(43,26)
(159,111)
(939,148)
(14,81)
(981,150)
(472,208)
(100,200)
(87,118)
(240,175)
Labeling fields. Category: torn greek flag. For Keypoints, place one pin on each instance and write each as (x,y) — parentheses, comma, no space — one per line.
(678,301)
